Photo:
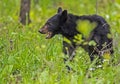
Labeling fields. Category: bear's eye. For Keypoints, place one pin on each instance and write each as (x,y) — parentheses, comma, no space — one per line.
(48,23)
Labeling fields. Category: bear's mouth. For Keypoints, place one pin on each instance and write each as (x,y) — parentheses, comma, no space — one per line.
(49,35)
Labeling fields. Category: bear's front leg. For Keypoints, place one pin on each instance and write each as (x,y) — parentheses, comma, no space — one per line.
(69,49)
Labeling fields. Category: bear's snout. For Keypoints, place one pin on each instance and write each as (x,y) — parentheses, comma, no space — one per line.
(41,31)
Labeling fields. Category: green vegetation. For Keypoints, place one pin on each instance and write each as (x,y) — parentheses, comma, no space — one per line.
(86,27)
(26,57)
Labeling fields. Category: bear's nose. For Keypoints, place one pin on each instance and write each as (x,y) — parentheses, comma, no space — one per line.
(41,31)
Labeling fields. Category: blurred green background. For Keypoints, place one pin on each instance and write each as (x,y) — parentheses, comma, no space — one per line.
(26,57)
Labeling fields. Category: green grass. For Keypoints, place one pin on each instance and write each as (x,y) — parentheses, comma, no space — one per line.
(26,57)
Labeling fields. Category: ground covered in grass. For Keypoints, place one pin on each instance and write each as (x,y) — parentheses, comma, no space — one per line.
(26,57)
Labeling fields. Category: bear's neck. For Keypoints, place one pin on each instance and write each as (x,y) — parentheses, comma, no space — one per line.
(68,29)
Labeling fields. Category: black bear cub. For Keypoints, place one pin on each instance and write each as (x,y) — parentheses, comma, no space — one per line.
(70,26)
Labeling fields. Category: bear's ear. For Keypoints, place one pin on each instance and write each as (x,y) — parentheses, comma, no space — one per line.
(64,16)
(59,10)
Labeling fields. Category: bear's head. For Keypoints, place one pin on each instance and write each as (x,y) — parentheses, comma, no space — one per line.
(53,24)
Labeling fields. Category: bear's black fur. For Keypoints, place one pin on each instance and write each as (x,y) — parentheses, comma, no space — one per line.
(65,24)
